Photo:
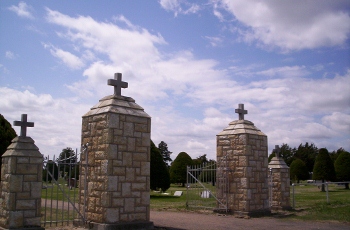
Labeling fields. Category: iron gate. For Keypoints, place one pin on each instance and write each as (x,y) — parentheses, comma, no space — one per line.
(60,190)
(203,183)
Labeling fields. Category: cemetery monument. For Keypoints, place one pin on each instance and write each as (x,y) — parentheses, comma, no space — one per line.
(117,131)
(243,148)
(21,182)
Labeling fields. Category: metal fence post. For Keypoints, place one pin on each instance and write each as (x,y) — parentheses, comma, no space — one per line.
(293,196)
(327,192)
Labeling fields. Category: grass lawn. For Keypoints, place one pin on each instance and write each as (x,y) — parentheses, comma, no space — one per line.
(311,203)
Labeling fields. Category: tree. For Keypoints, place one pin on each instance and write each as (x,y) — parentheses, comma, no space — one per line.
(342,168)
(323,168)
(165,153)
(66,161)
(200,160)
(286,153)
(178,169)
(298,170)
(53,169)
(160,177)
(307,153)
(335,154)
(7,133)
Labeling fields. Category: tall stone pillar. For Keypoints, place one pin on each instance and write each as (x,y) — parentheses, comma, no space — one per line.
(21,182)
(242,148)
(280,182)
(118,176)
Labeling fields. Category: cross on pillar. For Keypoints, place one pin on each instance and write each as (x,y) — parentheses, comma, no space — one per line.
(277,151)
(241,111)
(24,124)
(118,84)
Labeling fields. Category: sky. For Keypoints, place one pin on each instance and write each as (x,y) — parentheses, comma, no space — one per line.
(187,63)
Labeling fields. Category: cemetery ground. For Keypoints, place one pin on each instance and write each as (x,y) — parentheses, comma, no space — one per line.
(311,210)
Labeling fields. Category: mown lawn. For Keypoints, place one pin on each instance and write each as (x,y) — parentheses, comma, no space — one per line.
(311,203)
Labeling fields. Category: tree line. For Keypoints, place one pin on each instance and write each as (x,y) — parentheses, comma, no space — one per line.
(309,162)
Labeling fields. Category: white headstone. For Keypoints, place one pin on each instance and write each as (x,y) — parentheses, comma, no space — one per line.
(205,194)
(178,193)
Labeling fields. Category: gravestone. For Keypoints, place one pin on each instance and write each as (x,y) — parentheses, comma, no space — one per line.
(206,194)
(178,193)
(280,179)
(21,182)
(117,131)
(242,148)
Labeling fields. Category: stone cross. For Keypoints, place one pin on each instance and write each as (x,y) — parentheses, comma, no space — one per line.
(277,151)
(241,111)
(118,84)
(24,124)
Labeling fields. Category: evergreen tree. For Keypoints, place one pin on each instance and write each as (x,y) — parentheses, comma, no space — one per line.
(342,168)
(298,170)
(66,161)
(53,169)
(324,168)
(160,177)
(307,153)
(165,153)
(178,169)
(335,154)
(7,133)
(200,160)
(286,153)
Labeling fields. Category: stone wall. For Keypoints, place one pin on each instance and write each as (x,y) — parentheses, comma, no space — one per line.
(280,178)
(21,183)
(118,133)
(244,148)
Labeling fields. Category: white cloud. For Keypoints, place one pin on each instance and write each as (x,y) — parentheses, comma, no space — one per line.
(179,6)
(292,25)
(285,71)
(339,122)
(69,59)
(214,41)
(10,55)
(57,122)
(22,10)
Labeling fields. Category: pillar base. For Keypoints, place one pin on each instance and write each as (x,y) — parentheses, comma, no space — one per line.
(137,225)
(257,213)
(24,228)
(281,208)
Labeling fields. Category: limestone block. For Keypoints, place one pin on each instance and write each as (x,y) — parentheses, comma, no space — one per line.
(15,183)
(112,215)
(25,204)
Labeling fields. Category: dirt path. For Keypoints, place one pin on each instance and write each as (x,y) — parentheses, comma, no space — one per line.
(196,221)
(166,220)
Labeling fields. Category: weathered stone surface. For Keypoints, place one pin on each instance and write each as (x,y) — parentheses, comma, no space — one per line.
(21,184)
(280,179)
(243,148)
(118,133)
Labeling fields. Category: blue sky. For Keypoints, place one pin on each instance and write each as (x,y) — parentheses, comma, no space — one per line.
(188,64)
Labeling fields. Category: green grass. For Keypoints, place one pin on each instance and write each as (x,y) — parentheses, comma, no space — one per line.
(311,203)
(55,192)
(161,202)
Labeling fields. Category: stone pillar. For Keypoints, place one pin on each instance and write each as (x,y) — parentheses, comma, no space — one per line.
(243,149)
(280,178)
(118,176)
(21,182)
